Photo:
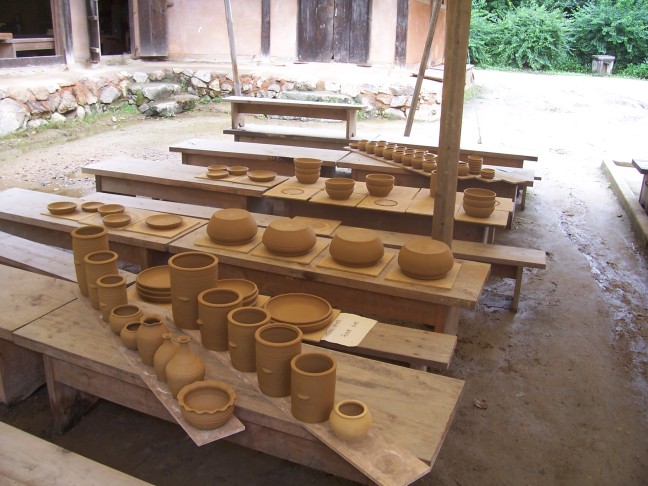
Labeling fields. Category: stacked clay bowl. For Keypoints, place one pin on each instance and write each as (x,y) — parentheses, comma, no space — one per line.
(207,404)
(356,247)
(339,188)
(379,185)
(248,289)
(287,237)
(107,209)
(479,203)
(307,170)
(231,227)
(425,259)
(308,312)
(475,164)
(154,284)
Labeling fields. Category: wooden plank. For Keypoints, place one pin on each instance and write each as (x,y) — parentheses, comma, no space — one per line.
(21,372)
(33,44)
(36,257)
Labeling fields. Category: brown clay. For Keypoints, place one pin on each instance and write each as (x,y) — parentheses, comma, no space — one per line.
(149,336)
(289,237)
(164,353)
(86,239)
(213,307)
(350,420)
(232,226)
(111,292)
(122,315)
(184,367)
(312,386)
(128,335)
(425,258)
(98,264)
(276,345)
(356,247)
(207,404)
(242,323)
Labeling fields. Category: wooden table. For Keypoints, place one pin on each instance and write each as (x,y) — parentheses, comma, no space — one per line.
(642,166)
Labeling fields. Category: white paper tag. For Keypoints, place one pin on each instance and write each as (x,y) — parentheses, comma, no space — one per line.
(348,329)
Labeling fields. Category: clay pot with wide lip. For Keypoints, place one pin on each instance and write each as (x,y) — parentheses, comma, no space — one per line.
(350,420)
(207,404)
(339,188)
(237,170)
(417,162)
(479,194)
(149,336)
(163,355)
(307,163)
(62,207)
(379,185)
(184,368)
(232,226)
(475,163)
(397,155)
(86,239)
(98,264)
(362,144)
(213,307)
(111,292)
(288,237)
(275,345)
(248,289)
(425,258)
(242,323)
(429,165)
(487,173)
(190,272)
(356,247)
(312,386)
(122,315)
(370,147)
(128,335)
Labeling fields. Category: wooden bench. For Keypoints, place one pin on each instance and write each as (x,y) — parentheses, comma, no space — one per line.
(642,166)
(27,459)
(292,135)
(9,45)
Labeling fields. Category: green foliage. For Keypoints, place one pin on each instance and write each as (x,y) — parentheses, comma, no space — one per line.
(635,71)
(615,27)
(482,28)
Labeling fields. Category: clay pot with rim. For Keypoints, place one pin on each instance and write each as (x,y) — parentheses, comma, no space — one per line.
(397,155)
(356,247)
(232,226)
(350,420)
(98,264)
(242,324)
(86,239)
(275,346)
(213,307)
(111,292)
(289,237)
(312,387)
(248,289)
(149,336)
(462,171)
(184,368)
(425,258)
(128,335)
(190,273)
(339,188)
(370,147)
(122,315)
(362,144)
(429,165)
(417,162)
(380,185)
(207,404)
(164,353)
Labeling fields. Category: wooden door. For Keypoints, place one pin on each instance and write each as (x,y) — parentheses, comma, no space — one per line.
(334,30)
(152,28)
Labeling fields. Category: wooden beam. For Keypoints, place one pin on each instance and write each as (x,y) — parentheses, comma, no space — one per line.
(454,82)
(230,35)
(402,12)
(265,28)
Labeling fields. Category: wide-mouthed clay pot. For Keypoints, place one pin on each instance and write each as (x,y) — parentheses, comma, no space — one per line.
(237,170)
(213,307)
(98,264)
(111,209)
(86,239)
(128,335)
(289,237)
(184,367)
(207,404)
(164,353)
(122,315)
(312,386)
(276,344)
(111,292)
(356,247)
(350,420)
(379,185)
(232,226)
(149,336)
(62,207)
(307,163)
(425,258)
(463,169)
(248,289)
(242,323)
(307,176)
(339,187)
(475,164)
(479,194)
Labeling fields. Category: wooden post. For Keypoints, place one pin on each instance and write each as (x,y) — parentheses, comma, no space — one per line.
(454,82)
(230,35)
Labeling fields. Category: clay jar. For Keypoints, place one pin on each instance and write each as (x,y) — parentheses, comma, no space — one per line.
(213,307)
(111,291)
(190,273)
(356,247)
(149,336)
(312,387)
(128,335)
(232,226)
(98,264)
(164,353)
(350,420)
(425,258)
(242,323)
(462,171)
(275,346)
(86,239)
(122,315)
(289,237)
(379,185)
(184,367)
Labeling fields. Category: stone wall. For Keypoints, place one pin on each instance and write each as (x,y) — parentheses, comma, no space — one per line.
(169,91)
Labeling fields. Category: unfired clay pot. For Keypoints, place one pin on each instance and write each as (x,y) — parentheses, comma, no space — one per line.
(288,237)
(128,335)
(350,420)
(248,289)
(379,185)
(149,336)
(190,272)
(425,258)
(242,323)
(475,164)
(98,264)
(122,315)
(276,345)
(213,307)
(164,353)
(86,239)
(184,368)
(111,291)
(232,226)
(207,404)
(462,171)
(356,247)
(312,386)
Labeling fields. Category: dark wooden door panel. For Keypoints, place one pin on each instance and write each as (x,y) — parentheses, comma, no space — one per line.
(351,30)
(315,30)
(153,28)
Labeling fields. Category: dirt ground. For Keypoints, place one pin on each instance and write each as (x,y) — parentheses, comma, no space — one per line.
(565,379)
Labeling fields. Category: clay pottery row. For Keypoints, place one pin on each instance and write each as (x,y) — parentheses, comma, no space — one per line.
(370,147)
(111,292)
(190,273)
(207,404)
(356,247)
(307,170)
(425,259)
(475,164)
(184,368)
(408,155)
(213,307)
(128,335)
(312,386)
(308,312)
(242,324)
(379,185)
(154,284)
(397,155)
(163,355)
(98,264)
(62,207)
(248,289)
(275,346)
(339,188)
(122,315)
(350,420)
(288,237)
(232,226)
(149,336)
(86,239)
(462,171)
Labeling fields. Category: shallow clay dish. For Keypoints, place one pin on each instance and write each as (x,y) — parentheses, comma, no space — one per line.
(262,175)
(91,206)
(289,237)
(154,299)
(217,174)
(237,170)
(153,293)
(164,221)
(116,220)
(215,167)
(207,404)
(298,309)
(155,278)
(111,209)
(62,207)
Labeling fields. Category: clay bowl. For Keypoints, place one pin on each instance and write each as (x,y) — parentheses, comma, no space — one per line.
(232,226)
(339,187)
(356,247)
(307,163)
(111,209)
(488,173)
(164,221)
(479,194)
(288,237)
(248,289)
(215,167)
(477,212)
(298,309)
(425,258)
(261,175)
(237,170)
(397,156)
(379,185)
(207,404)
(463,169)
(217,174)
(307,177)
(91,206)
(362,144)
(62,207)
(116,220)
(156,279)
(370,148)
(339,194)
(477,203)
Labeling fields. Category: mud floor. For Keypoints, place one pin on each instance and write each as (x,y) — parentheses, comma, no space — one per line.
(562,386)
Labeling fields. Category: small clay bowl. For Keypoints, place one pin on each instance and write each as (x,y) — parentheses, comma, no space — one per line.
(237,170)
(91,206)
(128,335)
(463,169)
(340,183)
(307,171)
(356,247)
(288,237)
(362,144)
(116,220)
(215,167)
(478,203)
(487,173)
(217,174)
(111,209)
(425,258)
(479,194)
(248,289)
(307,163)
(207,404)
(62,207)
(379,185)
(476,212)
(232,226)
(307,178)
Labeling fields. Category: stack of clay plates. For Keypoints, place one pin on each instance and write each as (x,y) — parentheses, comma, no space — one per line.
(154,284)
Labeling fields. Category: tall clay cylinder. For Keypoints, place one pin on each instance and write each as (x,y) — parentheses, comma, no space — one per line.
(111,291)
(312,387)
(98,264)
(190,272)
(242,323)
(149,336)
(86,239)
(213,307)
(276,345)
(184,368)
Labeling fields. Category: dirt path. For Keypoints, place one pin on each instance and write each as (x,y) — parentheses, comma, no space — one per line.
(565,379)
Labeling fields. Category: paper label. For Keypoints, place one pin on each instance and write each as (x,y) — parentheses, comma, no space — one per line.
(348,329)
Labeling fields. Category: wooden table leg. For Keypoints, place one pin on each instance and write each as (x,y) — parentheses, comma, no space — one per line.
(21,372)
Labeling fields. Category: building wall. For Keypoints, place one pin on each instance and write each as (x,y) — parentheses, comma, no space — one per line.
(383,32)
(283,29)
(419,24)
(80,36)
